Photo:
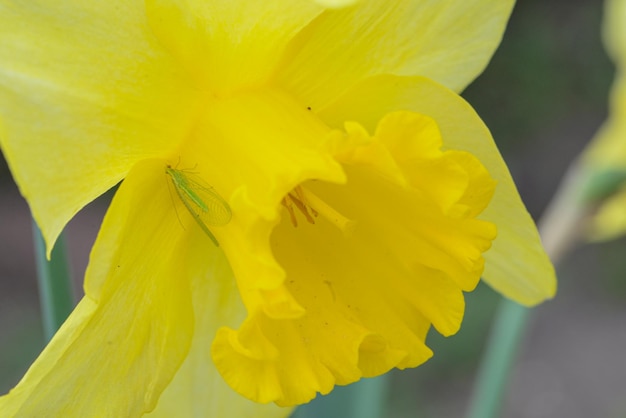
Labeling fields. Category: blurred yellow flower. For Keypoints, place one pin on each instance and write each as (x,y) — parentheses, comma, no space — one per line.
(364,194)
(605,159)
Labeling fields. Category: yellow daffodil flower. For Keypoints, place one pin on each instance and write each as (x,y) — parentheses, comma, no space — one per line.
(606,155)
(362,194)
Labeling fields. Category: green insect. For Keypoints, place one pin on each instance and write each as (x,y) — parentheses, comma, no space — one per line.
(201,200)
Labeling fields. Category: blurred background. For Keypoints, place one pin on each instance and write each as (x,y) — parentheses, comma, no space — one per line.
(544,96)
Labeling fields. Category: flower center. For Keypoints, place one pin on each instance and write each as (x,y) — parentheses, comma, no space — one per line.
(311,206)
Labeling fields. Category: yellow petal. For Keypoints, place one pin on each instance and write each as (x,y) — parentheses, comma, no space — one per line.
(197,389)
(614,31)
(368,293)
(128,336)
(254,149)
(610,221)
(608,148)
(517,265)
(227,46)
(335,4)
(449,41)
(85,92)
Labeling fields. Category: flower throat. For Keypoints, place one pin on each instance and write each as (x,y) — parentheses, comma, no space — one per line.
(311,206)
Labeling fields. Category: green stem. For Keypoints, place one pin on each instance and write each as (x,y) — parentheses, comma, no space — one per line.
(560,229)
(366,398)
(499,358)
(371,397)
(55,285)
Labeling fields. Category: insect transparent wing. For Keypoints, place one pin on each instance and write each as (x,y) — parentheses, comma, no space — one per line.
(215,210)
(205,205)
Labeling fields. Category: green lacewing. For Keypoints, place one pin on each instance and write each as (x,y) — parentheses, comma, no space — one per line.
(206,206)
